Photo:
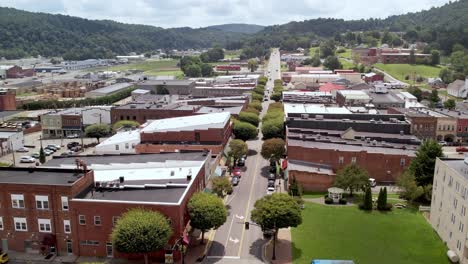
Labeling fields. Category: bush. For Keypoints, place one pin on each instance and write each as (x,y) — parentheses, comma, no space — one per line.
(343,201)
(257,105)
(250,118)
(257,97)
(252,110)
(276,96)
(325,196)
(328,200)
(273,129)
(244,131)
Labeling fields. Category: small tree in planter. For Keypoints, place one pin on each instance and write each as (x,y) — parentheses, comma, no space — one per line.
(367,203)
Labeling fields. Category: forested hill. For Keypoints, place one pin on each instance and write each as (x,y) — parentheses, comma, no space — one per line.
(239,28)
(445,25)
(30,34)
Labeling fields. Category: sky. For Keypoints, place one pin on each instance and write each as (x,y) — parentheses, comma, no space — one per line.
(201,13)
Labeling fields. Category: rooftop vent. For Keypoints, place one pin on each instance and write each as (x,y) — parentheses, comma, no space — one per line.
(172,173)
(121,179)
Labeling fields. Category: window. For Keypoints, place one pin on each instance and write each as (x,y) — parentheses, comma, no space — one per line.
(402,162)
(82,219)
(42,202)
(133,145)
(457,186)
(20,224)
(44,225)
(453,219)
(463,210)
(353,159)
(461,226)
(114,220)
(64,203)
(97,220)
(109,250)
(458,244)
(89,243)
(66,226)
(455,203)
(127,146)
(341,160)
(17,201)
(116,147)
(1,223)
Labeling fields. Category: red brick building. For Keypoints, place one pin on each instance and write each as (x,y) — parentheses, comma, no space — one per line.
(35,207)
(7,101)
(201,132)
(18,72)
(228,67)
(423,126)
(142,112)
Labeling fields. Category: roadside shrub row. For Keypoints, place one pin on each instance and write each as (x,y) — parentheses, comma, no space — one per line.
(273,122)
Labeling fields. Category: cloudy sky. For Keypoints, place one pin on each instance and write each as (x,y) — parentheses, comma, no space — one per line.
(200,13)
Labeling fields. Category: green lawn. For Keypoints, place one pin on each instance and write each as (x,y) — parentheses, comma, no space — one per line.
(346,64)
(346,55)
(399,71)
(402,236)
(152,67)
(229,54)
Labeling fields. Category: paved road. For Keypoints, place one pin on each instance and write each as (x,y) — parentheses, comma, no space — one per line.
(232,243)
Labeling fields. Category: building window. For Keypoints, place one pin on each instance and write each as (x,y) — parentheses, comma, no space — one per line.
(1,223)
(127,146)
(402,162)
(44,225)
(20,224)
(97,220)
(89,243)
(133,145)
(109,250)
(82,219)
(42,202)
(463,210)
(453,219)
(457,186)
(64,203)
(114,220)
(353,159)
(341,160)
(17,201)
(116,147)
(455,203)
(66,226)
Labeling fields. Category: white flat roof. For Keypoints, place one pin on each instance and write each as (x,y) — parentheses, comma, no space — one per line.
(121,137)
(355,94)
(188,123)
(313,109)
(318,94)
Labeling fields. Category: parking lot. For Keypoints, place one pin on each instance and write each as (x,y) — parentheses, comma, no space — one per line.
(34,139)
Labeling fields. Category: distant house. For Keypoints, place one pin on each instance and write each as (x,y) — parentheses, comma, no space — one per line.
(373,77)
(458,88)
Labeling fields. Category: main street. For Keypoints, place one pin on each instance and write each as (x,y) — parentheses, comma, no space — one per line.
(232,242)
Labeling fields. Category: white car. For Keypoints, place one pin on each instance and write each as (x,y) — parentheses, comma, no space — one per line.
(443,143)
(22,149)
(27,159)
(55,146)
(372,182)
(270,190)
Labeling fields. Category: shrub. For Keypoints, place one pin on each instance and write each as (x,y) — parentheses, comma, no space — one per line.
(325,196)
(250,118)
(257,97)
(273,129)
(328,200)
(244,131)
(276,96)
(343,201)
(257,105)
(252,110)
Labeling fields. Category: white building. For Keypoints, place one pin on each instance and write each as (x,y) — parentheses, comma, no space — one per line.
(449,203)
(458,88)
(96,115)
(121,143)
(10,141)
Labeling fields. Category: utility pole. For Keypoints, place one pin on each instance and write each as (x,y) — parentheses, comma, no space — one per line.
(13,153)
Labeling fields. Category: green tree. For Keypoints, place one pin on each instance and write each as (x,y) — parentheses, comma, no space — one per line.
(237,149)
(221,186)
(252,65)
(97,131)
(141,231)
(206,70)
(422,166)
(295,189)
(249,118)
(449,104)
(206,212)
(257,105)
(161,89)
(273,128)
(276,96)
(42,156)
(273,149)
(382,200)
(446,75)
(244,131)
(257,97)
(352,178)
(125,124)
(193,70)
(367,203)
(416,91)
(435,57)
(332,63)
(434,97)
(409,188)
(327,48)
(276,211)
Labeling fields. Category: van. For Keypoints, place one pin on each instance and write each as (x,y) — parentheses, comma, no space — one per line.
(372,182)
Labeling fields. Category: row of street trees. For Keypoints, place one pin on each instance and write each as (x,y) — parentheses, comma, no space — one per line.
(273,122)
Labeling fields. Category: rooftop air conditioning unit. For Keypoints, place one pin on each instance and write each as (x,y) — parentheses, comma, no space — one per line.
(304,116)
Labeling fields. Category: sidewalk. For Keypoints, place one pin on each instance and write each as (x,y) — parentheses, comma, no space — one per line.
(283,248)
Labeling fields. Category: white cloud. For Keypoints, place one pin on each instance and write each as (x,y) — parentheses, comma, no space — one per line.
(199,13)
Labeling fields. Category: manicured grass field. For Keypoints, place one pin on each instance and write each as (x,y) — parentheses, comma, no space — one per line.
(346,64)
(399,71)
(401,236)
(152,67)
(346,54)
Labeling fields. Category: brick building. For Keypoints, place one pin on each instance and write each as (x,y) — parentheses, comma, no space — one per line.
(36,207)
(180,87)
(18,72)
(423,126)
(7,100)
(142,112)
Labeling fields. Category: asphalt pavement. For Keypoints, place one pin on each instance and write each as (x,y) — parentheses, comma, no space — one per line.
(232,242)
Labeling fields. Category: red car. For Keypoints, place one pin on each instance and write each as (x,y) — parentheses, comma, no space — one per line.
(462,149)
(236,172)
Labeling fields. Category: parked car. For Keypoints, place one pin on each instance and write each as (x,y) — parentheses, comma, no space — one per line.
(51,148)
(462,149)
(235,181)
(271,183)
(48,152)
(27,159)
(72,136)
(372,182)
(237,172)
(54,146)
(4,258)
(271,176)
(22,149)
(443,143)
(241,162)
(272,169)
(270,190)
(35,155)
(72,144)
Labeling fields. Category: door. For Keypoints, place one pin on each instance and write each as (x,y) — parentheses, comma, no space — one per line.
(109,250)
(5,245)
(27,246)
(69,247)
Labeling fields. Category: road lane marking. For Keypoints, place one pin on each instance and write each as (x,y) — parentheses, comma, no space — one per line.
(239,216)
